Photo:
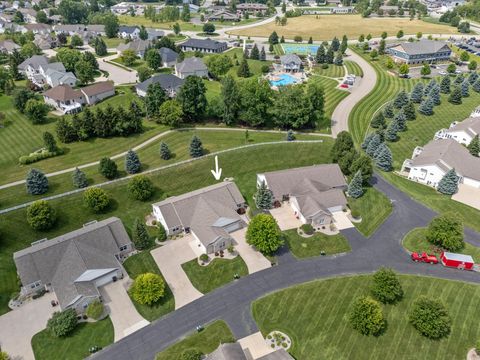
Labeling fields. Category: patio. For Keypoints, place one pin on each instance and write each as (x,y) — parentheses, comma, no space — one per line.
(285,217)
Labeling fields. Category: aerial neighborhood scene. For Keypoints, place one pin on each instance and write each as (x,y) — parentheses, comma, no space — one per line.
(239,180)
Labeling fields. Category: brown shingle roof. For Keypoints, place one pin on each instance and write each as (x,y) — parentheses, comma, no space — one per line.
(98,88)
(63,93)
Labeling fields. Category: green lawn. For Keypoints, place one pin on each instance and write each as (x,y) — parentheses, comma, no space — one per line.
(75,346)
(113,42)
(216,274)
(333,71)
(353,68)
(314,315)
(374,208)
(141,20)
(312,246)
(415,241)
(206,341)
(140,264)
(242,165)
(137,64)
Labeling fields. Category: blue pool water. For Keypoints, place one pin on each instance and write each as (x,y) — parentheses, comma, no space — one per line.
(285,79)
(301,49)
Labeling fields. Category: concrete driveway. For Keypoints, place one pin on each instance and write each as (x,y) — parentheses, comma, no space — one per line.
(285,217)
(123,314)
(116,74)
(342,221)
(254,260)
(169,259)
(468,195)
(18,326)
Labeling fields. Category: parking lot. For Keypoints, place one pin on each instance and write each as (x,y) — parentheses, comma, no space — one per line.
(437,70)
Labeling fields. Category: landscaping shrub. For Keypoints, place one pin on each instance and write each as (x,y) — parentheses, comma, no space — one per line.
(36,182)
(355,214)
(446,231)
(79,178)
(161,233)
(38,155)
(41,216)
(430,318)
(108,168)
(191,354)
(62,323)
(96,199)
(366,316)
(147,289)
(94,310)
(204,257)
(307,229)
(4,356)
(386,286)
(141,188)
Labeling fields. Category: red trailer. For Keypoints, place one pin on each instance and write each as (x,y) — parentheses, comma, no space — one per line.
(459,261)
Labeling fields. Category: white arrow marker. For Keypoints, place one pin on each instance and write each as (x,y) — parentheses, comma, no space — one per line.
(218,171)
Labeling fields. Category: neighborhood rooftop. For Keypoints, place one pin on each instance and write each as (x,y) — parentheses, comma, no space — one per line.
(167,81)
(191,64)
(422,47)
(204,44)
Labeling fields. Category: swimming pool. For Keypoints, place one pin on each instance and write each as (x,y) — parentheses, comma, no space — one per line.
(284,79)
(301,49)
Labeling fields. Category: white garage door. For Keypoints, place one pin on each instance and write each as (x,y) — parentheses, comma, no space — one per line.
(105,279)
(233,227)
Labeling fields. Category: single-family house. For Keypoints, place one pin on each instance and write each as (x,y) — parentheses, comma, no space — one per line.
(224,15)
(252,8)
(54,74)
(170,83)
(430,163)
(64,99)
(342,10)
(43,29)
(169,57)
(462,132)
(8,47)
(291,62)
(30,67)
(191,66)
(45,42)
(98,92)
(204,45)
(97,29)
(234,351)
(129,32)
(68,29)
(418,52)
(75,265)
(155,34)
(314,193)
(29,15)
(138,46)
(210,214)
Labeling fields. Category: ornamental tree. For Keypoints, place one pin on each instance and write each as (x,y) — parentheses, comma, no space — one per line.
(244,69)
(465,88)
(263,197)
(95,310)
(456,96)
(400,100)
(161,233)
(388,111)
(378,121)
(366,316)
(472,78)
(108,168)
(426,107)
(49,142)
(355,189)
(79,178)
(386,286)
(425,70)
(140,188)
(417,93)
(474,146)
(446,231)
(448,185)
(165,152)
(401,121)
(196,148)
(383,158)
(290,135)
(409,111)
(392,130)
(41,216)
(430,317)
(147,289)
(451,68)
(476,86)
(429,87)
(62,323)
(458,79)
(36,182)
(363,164)
(96,199)
(132,162)
(343,143)
(373,145)
(140,236)
(404,69)
(445,85)
(367,140)
(264,234)
(434,94)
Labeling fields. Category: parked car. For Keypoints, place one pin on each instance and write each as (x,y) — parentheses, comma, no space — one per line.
(442,72)
(424,257)
(344,86)
(458,71)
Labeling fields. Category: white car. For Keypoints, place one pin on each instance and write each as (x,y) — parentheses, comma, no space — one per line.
(443,72)
(458,71)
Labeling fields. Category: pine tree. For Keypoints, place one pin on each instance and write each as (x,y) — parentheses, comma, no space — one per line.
(400,100)
(426,107)
(456,96)
(458,80)
(378,121)
(196,149)
(367,140)
(165,153)
(391,133)
(244,69)
(263,197)
(263,55)
(373,145)
(474,146)
(476,86)
(417,93)
(140,236)
(255,54)
(465,88)
(388,111)
(132,162)
(401,121)
(409,111)
(434,94)
(320,57)
(355,189)
(338,59)
(79,178)
(36,182)
(448,185)
(472,78)
(445,85)
(383,158)
(290,135)
(49,142)
(329,56)
(429,87)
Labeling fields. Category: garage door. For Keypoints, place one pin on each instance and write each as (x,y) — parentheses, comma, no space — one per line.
(105,279)
(233,227)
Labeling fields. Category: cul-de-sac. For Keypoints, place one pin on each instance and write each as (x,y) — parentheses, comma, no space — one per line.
(239,179)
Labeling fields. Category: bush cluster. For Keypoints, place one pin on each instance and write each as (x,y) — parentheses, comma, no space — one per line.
(38,155)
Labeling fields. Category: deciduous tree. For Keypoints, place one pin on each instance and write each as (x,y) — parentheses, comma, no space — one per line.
(108,168)
(96,199)
(41,216)
(430,317)
(366,316)
(386,286)
(264,234)
(446,231)
(140,188)
(147,289)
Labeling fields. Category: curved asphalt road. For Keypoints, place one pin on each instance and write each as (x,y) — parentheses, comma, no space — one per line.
(232,302)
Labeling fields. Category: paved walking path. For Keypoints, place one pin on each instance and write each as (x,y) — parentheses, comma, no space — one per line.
(232,302)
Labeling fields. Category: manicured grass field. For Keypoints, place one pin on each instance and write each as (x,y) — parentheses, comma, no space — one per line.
(113,42)
(206,341)
(75,346)
(140,264)
(141,20)
(137,64)
(314,315)
(374,207)
(333,71)
(325,27)
(303,247)
(415,241)
(353,68)
(216,274)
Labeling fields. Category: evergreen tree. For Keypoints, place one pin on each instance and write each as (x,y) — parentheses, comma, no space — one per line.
(338,59)
(456,96)
(108,168)
(472,78)
(273,38)
(344,44)
(373,145)
(401,121)
(383,158)
(132,162)
(79,178)
(434,94)
(165,153)
(320,57)
(140,236)
(36,182)
(388,111)
(244,69)
(458,80)
(476,86)
(409,111)
(363,164)
(290,135)
(263,55)
(378,121)
(230,97)
(263,197)
(329,56)
(367,140)
(465,88)
(448,185)
(426,107)
(429,87)
(355,189)
(335,44)
(474,146)
(445,85)
(255,54)
(391,133)
(196,149)
(49,142)
(417,93)
(400,100)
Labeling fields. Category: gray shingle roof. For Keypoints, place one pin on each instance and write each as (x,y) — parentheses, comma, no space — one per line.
(168,82)
(208,44)
(469,125)
(167,54)
(127,29)
(191,64)
(137,45)
(279,354)
(228,351)
(35,61)
(423,47)
(290,58)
